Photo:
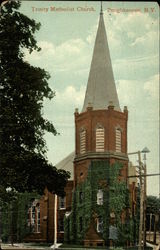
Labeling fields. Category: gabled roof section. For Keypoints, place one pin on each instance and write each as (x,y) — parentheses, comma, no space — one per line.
(101,89)
(67,164)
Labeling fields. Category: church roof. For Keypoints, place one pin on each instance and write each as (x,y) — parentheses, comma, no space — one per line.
(101,89)
(67,164)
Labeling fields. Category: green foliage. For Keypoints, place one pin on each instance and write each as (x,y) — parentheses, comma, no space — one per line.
(126,232)
(153,204)
(118,192)
(14,217)
(115,199)
(136,218)
(23,88)
(7,195)
(153,209)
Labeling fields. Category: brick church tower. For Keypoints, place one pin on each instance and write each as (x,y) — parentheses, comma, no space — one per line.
(101,127)
(100,140)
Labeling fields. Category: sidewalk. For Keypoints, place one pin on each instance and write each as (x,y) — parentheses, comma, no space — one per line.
(19,246)
(22,246)
(155,247)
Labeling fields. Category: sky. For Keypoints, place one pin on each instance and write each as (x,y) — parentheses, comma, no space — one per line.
(66,37)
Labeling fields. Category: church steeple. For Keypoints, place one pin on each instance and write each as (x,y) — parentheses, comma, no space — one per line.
(101,12)
(101,89)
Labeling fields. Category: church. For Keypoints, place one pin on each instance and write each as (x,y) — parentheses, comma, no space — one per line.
(100,202)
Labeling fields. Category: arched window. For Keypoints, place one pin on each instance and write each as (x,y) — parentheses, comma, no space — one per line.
(100,197)
(82,141)
(100,139)
(118,140)
(34,216)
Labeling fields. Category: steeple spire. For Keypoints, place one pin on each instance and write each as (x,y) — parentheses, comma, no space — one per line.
(101,12)
(101,89)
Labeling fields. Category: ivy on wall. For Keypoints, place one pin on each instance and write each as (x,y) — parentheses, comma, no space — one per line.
(14,217)
(105,177)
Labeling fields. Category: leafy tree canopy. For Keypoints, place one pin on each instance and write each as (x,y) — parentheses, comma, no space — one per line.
(153,204)
(23,164)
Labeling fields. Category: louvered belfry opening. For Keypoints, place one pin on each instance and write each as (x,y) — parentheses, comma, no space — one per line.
(82,141)
(100,139)
(118,140)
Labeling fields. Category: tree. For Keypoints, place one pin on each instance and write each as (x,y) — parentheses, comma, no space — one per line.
(153,204)
(23,165)
(153,214)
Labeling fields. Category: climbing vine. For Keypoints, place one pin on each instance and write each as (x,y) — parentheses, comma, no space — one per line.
(105,177)
(14,217)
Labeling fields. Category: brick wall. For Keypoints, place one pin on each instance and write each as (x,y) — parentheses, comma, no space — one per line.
(47,216)
(109,119)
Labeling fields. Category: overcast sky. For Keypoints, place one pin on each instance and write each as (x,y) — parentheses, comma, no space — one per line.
(67,40)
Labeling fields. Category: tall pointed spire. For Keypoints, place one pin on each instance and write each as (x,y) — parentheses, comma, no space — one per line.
(101,89)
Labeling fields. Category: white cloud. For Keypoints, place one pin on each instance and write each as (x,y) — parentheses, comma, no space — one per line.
(149,40)
(137,23)
(71,96)
(47,47)
(138,40)
(92,33)
(131,33)
(140,96)
(70,47)
(127,91)
(70,55)
(151,87)
(64,103)
(136,67)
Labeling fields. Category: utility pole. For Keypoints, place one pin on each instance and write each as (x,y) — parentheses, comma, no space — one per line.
(140,166)
(141,201)
(142,222)
(144,209)
(145,150)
